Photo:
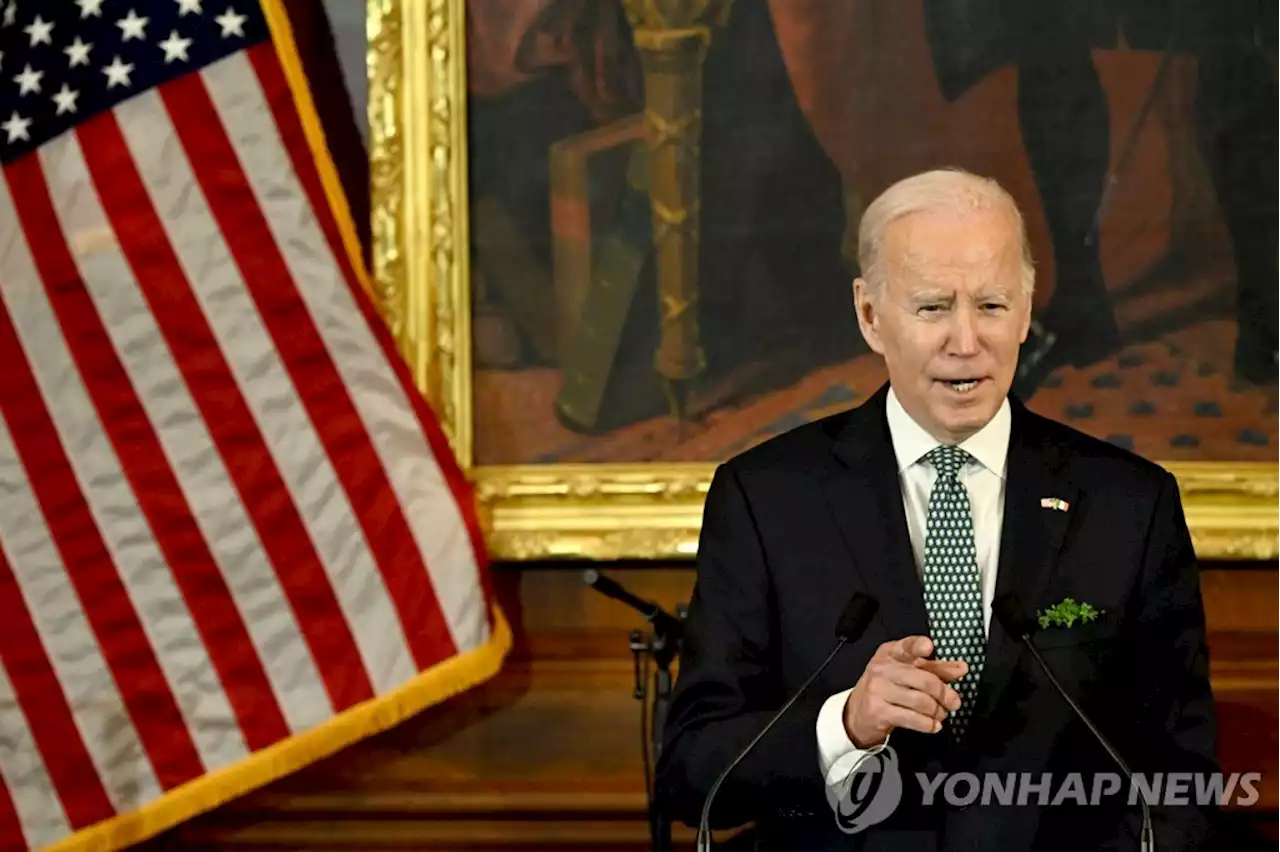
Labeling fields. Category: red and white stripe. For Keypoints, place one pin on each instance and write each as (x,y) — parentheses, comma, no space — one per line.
(198,474)
(28,800)
(223,514)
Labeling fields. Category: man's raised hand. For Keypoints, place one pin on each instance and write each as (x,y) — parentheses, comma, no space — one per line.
(902,688)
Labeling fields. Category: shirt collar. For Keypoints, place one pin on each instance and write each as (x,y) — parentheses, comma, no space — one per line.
(989,445)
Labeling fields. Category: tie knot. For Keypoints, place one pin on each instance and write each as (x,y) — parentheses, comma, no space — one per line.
(947,460)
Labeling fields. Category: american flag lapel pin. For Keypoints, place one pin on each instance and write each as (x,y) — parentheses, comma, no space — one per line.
(1054,503)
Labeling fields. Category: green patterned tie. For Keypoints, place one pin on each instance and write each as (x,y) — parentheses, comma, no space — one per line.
(952,590)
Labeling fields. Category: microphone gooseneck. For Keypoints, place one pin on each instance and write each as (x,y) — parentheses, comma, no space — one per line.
(668,624)
(854,620)
(1009,611)
(611,588)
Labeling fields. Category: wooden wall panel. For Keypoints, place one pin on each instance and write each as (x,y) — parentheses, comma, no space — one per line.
(547,755)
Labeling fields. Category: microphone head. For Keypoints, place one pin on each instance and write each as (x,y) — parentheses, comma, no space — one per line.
(590,576)
(1009,611)
(856,616)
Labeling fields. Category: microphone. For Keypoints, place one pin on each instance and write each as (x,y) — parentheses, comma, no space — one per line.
(1017,623)
(652,613)
(854,620)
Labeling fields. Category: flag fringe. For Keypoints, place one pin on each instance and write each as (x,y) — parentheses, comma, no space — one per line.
(207,792)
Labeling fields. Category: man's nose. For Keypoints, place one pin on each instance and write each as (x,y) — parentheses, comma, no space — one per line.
(964,333)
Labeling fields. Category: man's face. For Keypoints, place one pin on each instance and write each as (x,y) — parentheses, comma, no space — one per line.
(950,317)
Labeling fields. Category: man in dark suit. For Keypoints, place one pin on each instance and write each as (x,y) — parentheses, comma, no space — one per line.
(935,496)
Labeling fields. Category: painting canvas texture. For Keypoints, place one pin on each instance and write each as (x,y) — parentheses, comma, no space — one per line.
(663,235)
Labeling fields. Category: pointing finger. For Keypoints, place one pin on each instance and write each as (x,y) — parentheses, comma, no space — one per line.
(911,648)
(947,670)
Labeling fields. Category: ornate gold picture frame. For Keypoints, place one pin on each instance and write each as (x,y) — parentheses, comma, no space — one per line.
(421,260)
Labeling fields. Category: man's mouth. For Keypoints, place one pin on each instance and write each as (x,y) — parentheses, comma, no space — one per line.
(961,385)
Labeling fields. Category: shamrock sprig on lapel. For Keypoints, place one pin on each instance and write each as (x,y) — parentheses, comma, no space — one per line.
(1067,613)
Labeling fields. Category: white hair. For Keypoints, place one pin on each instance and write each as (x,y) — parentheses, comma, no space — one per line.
(950,190)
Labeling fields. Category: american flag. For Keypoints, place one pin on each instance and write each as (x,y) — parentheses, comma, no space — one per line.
(232,537)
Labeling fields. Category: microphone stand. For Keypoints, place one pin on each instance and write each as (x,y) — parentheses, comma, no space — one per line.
(661,645)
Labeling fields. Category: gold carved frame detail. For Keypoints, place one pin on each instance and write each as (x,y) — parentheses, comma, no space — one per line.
(418,153)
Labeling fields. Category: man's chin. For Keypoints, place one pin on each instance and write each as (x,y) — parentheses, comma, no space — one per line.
(964,417)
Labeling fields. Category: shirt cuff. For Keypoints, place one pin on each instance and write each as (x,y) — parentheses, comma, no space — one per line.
(837,754)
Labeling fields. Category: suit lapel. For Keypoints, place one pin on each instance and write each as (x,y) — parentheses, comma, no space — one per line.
(864,495)
(1030,541)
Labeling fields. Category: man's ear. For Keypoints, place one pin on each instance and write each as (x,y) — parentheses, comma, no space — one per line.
(864,304)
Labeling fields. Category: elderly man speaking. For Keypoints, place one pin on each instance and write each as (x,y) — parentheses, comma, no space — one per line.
(938,495)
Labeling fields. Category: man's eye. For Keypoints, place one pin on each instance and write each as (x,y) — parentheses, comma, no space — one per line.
(993,307)
(930,309)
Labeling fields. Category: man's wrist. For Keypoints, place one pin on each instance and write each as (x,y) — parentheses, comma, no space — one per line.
(859,742)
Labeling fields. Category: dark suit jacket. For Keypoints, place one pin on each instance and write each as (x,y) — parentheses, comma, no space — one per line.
(795,526)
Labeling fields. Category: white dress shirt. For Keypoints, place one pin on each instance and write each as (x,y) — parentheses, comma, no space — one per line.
(984,479)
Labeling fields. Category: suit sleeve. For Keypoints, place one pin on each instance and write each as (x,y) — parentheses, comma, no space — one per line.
(728,684)
(1177,726)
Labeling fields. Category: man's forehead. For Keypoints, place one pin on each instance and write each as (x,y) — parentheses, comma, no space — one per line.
(925,256)
(925,245)
(985,268)
(917,274)
(982,287)
(927,228)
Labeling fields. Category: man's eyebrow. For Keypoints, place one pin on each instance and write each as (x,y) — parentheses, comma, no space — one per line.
(928,293)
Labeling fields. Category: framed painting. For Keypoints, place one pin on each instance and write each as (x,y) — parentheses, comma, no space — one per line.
(615,238)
